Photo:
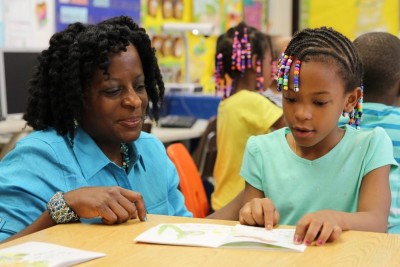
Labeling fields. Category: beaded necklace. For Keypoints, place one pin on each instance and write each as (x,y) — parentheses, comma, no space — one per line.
(125,156)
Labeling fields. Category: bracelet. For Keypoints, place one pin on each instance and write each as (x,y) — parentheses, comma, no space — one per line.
(59,210)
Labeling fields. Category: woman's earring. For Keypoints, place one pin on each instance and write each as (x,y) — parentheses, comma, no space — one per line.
(76,124)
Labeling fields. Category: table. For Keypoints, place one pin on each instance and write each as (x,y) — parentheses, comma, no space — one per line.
(352,249)
(198,105)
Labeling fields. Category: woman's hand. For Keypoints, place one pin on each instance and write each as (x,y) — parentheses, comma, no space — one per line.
(321,226)
(113,204)
(259,211)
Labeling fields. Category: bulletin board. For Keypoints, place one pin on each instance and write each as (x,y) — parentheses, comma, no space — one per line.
(93,11)
(352,17)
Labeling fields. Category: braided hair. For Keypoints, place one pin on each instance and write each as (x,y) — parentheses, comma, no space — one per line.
(323,45)
(250,41)
(66,69)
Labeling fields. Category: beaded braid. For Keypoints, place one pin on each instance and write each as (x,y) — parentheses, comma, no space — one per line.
(235,49)
(323,44)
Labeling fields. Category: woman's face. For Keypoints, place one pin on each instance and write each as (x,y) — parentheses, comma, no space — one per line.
(115,106)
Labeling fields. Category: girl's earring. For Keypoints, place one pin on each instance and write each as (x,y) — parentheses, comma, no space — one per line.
(260,78)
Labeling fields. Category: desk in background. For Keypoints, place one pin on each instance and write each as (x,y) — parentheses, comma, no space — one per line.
(352,249)
(168,135)
(197,105)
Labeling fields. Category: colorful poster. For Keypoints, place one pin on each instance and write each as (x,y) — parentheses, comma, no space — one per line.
(208,11)
(256,14)
(352,17)
(85,11)
(232,13)
(171,46)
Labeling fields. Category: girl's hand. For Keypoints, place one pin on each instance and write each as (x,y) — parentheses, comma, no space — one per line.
(259,211)
(321,226)
(113,204)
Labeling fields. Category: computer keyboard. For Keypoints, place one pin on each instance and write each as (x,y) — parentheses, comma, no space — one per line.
(177,121)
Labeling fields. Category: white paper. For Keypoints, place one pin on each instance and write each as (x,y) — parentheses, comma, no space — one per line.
(215,235)
(44,254)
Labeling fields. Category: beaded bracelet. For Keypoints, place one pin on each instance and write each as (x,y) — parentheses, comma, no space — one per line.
(59,210)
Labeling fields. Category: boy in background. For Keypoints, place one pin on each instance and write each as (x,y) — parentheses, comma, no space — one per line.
(380,53)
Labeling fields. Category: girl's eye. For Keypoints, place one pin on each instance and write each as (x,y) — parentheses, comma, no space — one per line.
(320,103)
(290,99)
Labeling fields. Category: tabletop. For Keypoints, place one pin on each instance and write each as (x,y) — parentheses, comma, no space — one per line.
(352,249)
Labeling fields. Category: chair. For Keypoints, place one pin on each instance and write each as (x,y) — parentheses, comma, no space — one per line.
(190,181)
(206,152)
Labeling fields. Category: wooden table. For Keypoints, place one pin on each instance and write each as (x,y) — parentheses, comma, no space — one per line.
(353,249)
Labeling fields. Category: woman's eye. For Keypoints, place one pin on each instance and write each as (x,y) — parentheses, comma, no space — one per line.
(112,91)
(140,88)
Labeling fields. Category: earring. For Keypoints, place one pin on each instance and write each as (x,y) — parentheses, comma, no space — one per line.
(76,124)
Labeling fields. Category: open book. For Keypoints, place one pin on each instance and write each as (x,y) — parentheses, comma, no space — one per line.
(216,235)
(44,254)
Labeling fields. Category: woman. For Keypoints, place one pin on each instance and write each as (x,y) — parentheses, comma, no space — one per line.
(87,157)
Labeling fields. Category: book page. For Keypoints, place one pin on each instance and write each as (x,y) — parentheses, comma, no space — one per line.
(215,235)
(189,234)
(44,254)
(259,237)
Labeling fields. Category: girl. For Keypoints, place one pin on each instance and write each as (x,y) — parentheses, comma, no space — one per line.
(313,174)
(243,54)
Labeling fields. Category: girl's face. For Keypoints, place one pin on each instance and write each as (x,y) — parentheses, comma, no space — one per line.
(313,112)
(115,107)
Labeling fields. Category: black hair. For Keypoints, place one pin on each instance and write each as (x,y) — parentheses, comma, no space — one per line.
(327,45)
(380,54)
(260,44)
(67,67)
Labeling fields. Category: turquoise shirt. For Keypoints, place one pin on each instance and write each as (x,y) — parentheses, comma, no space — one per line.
(387,117)
(298,186)
(44,162)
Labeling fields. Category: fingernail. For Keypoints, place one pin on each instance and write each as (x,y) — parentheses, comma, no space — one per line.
(145,218)
(320,242)
(297,239)
(269,226)
(307,242)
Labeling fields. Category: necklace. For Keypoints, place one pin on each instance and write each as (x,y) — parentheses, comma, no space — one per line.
(125,156)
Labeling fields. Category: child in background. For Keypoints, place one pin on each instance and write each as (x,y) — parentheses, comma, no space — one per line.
(243,53)
(380,53)
(313,174)
(279,43)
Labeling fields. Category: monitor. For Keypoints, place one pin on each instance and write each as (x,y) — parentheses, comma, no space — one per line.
(16,69)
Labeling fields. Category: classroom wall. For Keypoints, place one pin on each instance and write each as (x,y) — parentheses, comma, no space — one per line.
(26,23)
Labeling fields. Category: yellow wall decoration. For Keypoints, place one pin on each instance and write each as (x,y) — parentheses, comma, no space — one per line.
(351,17)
